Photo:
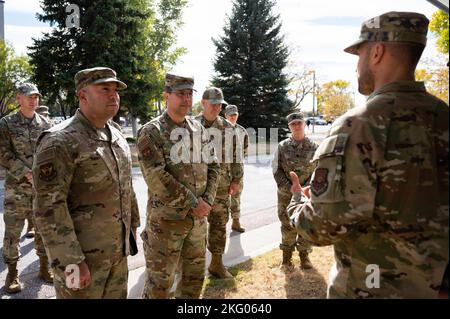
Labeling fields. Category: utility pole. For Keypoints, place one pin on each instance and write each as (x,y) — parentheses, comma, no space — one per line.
(2,20)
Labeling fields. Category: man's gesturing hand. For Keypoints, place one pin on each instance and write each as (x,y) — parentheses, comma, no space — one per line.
(296,187)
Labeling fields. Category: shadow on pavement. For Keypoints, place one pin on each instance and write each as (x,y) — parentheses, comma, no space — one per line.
(24,250)
(31,284)
(27,248)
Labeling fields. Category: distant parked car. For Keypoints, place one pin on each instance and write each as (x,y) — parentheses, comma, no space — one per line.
(316,121)
(321,122)
(58,119)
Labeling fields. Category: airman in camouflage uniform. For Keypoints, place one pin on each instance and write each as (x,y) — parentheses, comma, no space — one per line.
(181,191)
(232,114)
(85,206)
(231,174)
(292,154)
(44,111)
(18,135)
(379,193)
(41,110)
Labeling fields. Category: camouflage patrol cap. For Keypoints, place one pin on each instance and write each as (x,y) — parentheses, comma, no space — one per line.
(178,82)
(96,76)
(295,117)
(393,27)
(28,89)
(214,96)
(231,110)
(42,109)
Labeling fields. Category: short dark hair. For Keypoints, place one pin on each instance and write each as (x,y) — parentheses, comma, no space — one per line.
(167,89)
(407,53)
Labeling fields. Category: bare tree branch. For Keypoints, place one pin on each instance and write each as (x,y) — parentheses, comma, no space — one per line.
(301,86)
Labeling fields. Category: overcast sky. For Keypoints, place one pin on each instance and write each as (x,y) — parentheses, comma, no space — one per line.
(316,32)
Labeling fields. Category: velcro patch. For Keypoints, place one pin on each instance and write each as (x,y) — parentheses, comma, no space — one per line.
(45,156)
(332,146)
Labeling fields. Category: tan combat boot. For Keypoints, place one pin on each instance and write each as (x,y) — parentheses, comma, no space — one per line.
(236,226)
(45,273)
(286,264)
(305,263)
(12,283)
(216,268)
(30,230)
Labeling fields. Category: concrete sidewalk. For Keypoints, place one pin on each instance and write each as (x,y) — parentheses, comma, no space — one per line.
(239,248)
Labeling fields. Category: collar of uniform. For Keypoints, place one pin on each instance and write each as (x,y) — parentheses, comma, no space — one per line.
(399,86)
(171,124)
(115,133)
(91,130)
(216,123)
(233,125)
(190,125)
(36,121)
(297,143)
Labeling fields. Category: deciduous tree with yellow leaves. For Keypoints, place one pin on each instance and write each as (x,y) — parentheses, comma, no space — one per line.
(334,98)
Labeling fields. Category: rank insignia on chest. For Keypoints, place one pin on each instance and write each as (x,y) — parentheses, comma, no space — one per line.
(47,172)
(320,182)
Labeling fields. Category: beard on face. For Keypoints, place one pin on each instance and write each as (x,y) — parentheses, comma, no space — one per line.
(366,82)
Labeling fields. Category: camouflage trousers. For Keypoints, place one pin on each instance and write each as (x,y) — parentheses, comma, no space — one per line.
(235,207)
(289,237)
(109,280)
(18,208)
(217,222)
(171,246)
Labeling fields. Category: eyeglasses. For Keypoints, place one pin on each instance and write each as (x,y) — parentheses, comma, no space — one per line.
(181,94)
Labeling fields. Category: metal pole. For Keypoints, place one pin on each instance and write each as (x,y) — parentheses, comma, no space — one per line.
(314,99)
(441,4)
(2,20)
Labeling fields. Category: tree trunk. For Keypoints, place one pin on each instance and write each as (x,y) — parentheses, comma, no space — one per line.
(159,108)
(133,125)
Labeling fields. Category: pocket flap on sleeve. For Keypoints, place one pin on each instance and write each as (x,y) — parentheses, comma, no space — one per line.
(332,146)
(45,156)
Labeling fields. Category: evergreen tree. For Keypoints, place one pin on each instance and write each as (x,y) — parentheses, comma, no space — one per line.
(133,37)
(250,62)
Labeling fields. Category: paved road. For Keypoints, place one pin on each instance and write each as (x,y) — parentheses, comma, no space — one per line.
(258,210)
